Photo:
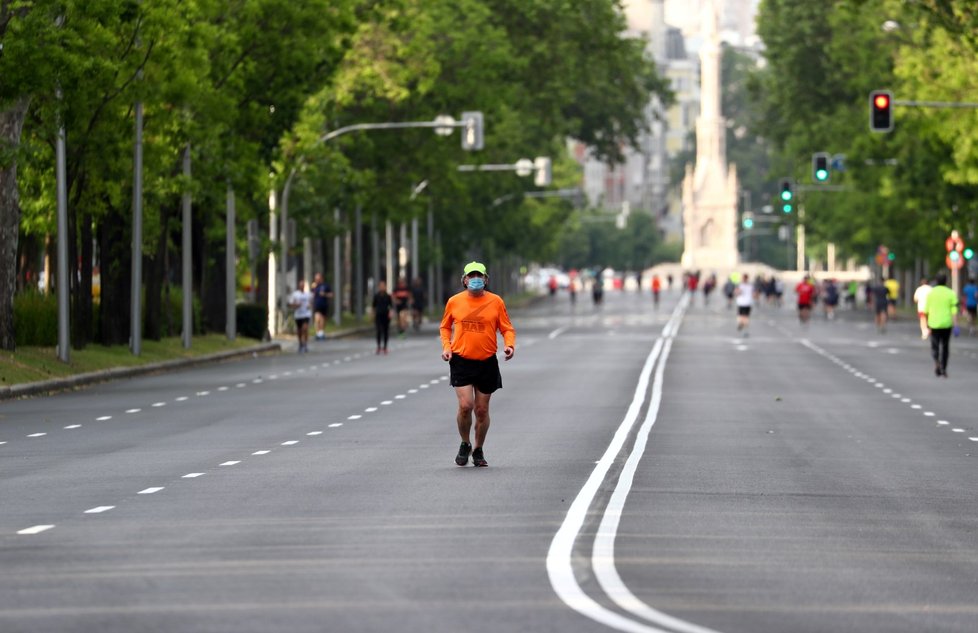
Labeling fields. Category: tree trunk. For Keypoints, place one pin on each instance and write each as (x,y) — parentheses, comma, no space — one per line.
(83,307)
(11,125)
(157,325)
(114,255)
(213,301)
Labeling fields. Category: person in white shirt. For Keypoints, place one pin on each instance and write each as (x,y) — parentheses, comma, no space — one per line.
(920,298)
(301,304)
(744,296)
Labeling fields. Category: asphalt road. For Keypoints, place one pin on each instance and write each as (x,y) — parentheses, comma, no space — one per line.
(650,470)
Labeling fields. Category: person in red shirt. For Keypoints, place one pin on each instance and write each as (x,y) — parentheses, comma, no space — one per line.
(806,293)
(469,343)
(656,289)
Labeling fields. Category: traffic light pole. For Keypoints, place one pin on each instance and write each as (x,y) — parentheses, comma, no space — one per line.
(935,104)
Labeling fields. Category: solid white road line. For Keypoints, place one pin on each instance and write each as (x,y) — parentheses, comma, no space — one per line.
(37,529)
(99,509)
(560,556)
(558,332)
(603,554)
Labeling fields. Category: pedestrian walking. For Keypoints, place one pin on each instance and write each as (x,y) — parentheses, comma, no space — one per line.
(920,300)
(402,304)
(831,300)
(892,295)
(942,319)
(744,296)
(880,299)
(382,304)
(301,303)
(321,294)
(469,344)
(656,289)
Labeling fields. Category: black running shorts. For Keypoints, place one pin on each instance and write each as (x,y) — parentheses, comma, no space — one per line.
(743,311)
(483,374)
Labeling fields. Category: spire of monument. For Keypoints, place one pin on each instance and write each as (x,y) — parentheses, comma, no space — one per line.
(659,30)
(710,129)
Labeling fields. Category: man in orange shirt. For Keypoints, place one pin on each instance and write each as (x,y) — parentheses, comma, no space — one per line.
(468,340)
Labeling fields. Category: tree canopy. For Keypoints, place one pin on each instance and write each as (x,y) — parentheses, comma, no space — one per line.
(250,86)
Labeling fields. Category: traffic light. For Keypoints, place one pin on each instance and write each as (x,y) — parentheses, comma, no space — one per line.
(787,190)
(748,220)
(968,253)
(472,131)
(820,167)
(955,249)
(881,111)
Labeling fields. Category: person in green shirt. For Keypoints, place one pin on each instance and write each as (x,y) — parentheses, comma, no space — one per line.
(942,319)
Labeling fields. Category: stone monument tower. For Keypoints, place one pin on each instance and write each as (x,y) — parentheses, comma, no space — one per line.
(710,189)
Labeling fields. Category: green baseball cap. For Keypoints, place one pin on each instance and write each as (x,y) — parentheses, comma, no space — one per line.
(475,267)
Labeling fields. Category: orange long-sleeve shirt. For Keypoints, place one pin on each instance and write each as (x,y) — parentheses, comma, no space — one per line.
(476,321)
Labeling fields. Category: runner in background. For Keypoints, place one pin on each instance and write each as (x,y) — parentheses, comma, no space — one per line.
(806,294)
(920,300)
(402,304)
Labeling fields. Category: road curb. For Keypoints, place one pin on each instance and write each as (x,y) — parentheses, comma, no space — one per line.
(80,380)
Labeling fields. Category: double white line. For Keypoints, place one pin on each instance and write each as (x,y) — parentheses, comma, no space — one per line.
(559,558)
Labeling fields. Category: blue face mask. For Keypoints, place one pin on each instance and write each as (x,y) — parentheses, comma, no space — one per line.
(477,283)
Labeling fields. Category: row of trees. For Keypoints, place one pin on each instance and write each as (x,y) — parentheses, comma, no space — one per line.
(251,85)
(907,189)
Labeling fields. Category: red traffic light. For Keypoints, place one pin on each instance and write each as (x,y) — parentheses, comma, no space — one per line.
(880,111)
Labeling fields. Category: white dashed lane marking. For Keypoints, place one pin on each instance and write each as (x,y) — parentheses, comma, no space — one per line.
(880,385)
(181,398)
(335,424)
(261,452)
(290,443)
(193,475)
(103,418)
(354,417)
(37,529)
(315,433)
(72,426)
(370,409)
(99,509)
(230,463)
(37,435)
(138,410)
(159,404)
(150,491)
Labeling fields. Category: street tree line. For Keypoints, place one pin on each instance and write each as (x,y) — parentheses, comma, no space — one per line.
(906,189)
(251,86)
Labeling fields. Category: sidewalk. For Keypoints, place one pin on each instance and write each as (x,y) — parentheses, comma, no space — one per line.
(278,345)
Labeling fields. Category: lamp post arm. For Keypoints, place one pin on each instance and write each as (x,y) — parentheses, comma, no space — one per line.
(357,127)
